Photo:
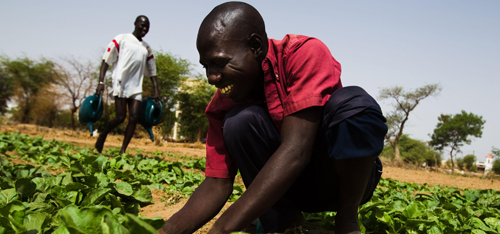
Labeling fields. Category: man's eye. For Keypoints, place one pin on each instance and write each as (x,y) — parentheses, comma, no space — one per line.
(220,63)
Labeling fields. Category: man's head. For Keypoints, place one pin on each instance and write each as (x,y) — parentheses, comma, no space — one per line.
(232,43)
(141,26)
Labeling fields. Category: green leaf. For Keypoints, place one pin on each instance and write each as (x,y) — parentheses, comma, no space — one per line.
(95,196)
(414,210)
(124,188)
(434,230)
(478,231)
(143,195)
(132,208)
(25,187)
(8,195)
(15,221)
(478,223)
(135,225)
(116,204)
(61,230)
(112,226)
(75,186)
(493,223)
(11,207)
(36,221)
(156,222)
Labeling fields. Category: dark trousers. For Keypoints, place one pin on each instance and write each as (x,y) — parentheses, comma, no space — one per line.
(352,126)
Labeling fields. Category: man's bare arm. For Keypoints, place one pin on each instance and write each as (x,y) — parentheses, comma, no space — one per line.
(102,74)
(206,201)
(154,80)
(281,170)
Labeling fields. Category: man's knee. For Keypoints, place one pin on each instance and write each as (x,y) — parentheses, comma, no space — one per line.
(133,118)
(120,118)
(240,120)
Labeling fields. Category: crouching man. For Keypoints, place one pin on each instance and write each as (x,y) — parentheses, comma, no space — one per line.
(301,141)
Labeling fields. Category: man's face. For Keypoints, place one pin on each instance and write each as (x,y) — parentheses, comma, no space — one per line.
(142,26)
(230,65)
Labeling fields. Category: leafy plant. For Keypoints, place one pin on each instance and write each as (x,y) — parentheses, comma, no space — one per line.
(86,190)
(400,207)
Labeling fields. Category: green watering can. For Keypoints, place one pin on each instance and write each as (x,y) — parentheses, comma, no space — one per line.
(150,114)
(91,111)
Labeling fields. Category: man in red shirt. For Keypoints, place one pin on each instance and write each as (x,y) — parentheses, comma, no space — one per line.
(302,143)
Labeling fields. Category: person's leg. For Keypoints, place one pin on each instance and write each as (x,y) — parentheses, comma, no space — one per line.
(353,176)
(133,117)
(251,138)
(354,146)
(121,113)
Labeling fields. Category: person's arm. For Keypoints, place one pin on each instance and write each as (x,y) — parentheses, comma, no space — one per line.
(278,174)
(155,86)
(206,201)
(102,74)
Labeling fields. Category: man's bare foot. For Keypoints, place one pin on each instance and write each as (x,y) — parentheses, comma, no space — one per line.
(99,144)
(343,226)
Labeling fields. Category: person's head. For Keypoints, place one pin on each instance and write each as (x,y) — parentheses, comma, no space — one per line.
(141,26)
(232,43)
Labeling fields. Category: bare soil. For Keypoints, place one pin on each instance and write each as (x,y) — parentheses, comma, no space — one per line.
(159,208)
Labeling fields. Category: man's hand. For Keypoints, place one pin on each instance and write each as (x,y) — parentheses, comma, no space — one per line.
(99,89)
(206,201)
(157,96)
(102,73)
(155,86)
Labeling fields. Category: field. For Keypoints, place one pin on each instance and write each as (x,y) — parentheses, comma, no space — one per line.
(407,201)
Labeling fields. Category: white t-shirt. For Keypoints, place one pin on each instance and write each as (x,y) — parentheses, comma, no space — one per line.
(131,60)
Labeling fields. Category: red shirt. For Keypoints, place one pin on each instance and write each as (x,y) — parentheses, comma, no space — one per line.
(299,72)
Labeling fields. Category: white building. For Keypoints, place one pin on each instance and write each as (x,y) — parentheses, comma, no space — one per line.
(487,165)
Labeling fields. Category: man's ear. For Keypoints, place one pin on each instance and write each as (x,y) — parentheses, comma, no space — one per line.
(256,44)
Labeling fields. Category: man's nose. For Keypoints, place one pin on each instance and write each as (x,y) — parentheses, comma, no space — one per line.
(213,76)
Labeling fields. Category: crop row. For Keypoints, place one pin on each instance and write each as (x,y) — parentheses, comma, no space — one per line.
(86,192)
(400,207)
(91,193)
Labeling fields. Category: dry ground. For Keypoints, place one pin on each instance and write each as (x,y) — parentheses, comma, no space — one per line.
(83,139)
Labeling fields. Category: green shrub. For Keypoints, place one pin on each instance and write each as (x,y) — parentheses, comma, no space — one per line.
(460,163)
(469,161)
(413,151)
(496,166)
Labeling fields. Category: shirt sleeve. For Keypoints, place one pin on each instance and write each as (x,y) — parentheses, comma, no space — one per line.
(150,63)
(219,163)
(312,76)
(111,54)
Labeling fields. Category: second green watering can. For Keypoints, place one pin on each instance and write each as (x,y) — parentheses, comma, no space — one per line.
(150,114)
(91,111)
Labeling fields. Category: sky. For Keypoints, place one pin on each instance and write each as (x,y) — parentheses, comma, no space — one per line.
(380,44)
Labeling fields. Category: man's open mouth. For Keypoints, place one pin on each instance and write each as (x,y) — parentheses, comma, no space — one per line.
(226,90)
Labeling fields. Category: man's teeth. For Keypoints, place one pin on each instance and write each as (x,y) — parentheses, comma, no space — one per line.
(226,89)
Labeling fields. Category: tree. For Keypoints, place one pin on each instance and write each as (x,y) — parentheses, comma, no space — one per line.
(28,79)
(170,70)
(405,102)
(414,151)
(496,166)
(77,81)
(495,152)
(194,96)
(469,161)
(455,131)
(5,91)
(47,107)
(460,163)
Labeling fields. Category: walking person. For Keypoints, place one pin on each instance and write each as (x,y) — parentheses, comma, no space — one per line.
(131,58)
